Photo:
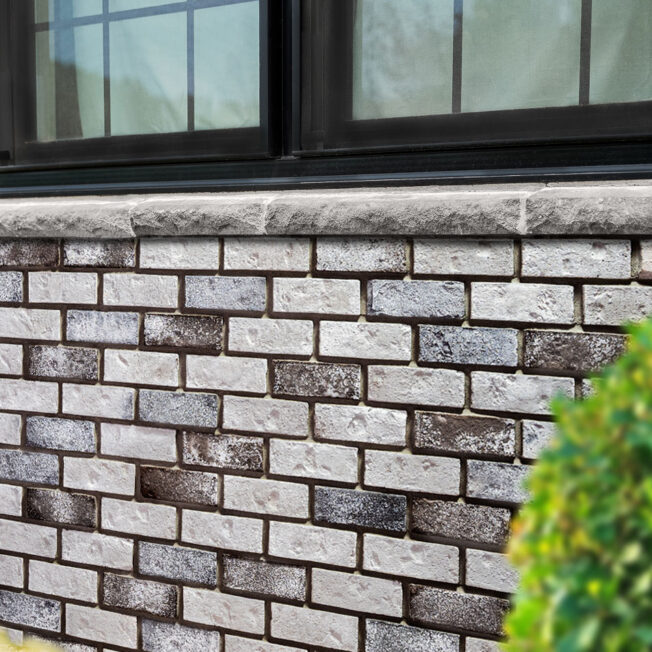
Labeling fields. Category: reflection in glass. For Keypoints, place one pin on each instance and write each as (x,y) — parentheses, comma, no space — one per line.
(125,5)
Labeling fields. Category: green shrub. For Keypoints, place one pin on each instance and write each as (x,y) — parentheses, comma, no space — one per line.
(583,544)
(30,645)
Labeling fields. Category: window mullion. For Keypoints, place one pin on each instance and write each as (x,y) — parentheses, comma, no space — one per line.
(457,56)
(585,51)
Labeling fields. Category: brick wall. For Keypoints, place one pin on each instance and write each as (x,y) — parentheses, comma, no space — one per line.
(267,445)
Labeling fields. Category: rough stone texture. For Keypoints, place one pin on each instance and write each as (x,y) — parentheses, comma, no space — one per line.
(11,500)
(317,295)
(37,468)
(198,410)
(314,379)
(361,255)
(28,539)
(219,531)
(99,401)
(11,286)
(100,625)
(490,571)
(365,340)
(496,481)
(61,434)
(257,254)
(263,496)
(141,367)
(66,362)
(63,581)
(180,253)
(30,395)
(140,442)
(184,331)
(30,324)
(97,549)
(267,416)
(241,644)
(221,610)
(646,260)
(62,287)
(464,257)
(536,434)
(228,452)
(481,645)
(171,485)
(226,373)
(139,595)
(11,359)
(166,637)
(265,579)
(232,293)
(423,299)
(268,336)
(99,253)
(612,305)
(181,564)
(28,253)
(60,507)
(10,427)
(144,519)
(105,327)
(29,610)
(390,637)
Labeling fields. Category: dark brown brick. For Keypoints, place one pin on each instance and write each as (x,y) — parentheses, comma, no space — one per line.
(29,253)
(179,486)
(230,452)
(140,595)
(74,363)
(187,331)
(265,579)
(99,253)
(316,379)
(61,507)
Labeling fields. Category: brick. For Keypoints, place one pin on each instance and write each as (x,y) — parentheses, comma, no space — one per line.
(240,644)
(270,336)
(265,579)
(456,433)
(365,509)
(310,460)
(141,367)
(11,286)
(226,293)
(491,571)
(327,296)
(61,434)
(517,393)
(496,481)
(36,468)
(365,340)
(316,379)
(450,257)
(416,385)
(158,521)
(567,258)
(167,637)
(143,443)
(128,289)
(178,408)
(78,647)
(221,610)
(10,427)
(229,452)
(571,353)
(30,323)
(94,624)
(361,255)
(309,543)
(468,346)
(184,331)
(219,531)
(536,435)
(97,549)
(646,259)
(260,254)
(29,253)
(72,363)
(11,359)
(390,637)
(321,628)
(461,522)
(105,476)
(452,610)
(28,539)
(423,299)
(172,485)
(99,253)
(11,571)
(98,401)
(102,327)
(267,416)
(355,423)
(228,374)
(180,564)
(20,609)
(262,496)
(612,305)
(11,499)
(139,595)
(28,395)
(180,253)
(60,507)
(62,287)
(523,302)
(63,581)
(418,473)
(481,645)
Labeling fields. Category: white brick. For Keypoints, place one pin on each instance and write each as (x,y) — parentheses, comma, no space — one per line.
(357,592)
(11,571)
(130,289)
(491,571)
(239,644)
(352,254)
(63,581)
(180,253)
(309,543)
(317,295)
(103,626)
(321,628)
(11,498)
(141,367)
(416,386)
(10,425)
(310,460)
(219,531)
(464,257)
(28,539)
(405,558)
(482,645)
(105,476)
(11,359)
(265,496)
(517,393)
(140,442)
(97,549)
(30,324)
(29,395)
(158,521)
(276,254)
(270,416)
(226,373)
(363,340)
(646,259)
(62,287)
(612,305)
(221,610)
(419,473)
(536,435)
(283,336)
(98,401)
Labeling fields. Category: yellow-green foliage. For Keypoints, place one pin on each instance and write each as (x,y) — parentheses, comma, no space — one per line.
(30,645)
(583,544)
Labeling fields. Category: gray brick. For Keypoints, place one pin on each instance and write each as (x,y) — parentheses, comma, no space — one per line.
(166,637)
(28,610)
(11,286)
(105,327)
(536,435)
(229,452)
(496,481)
(371,510)
(37,468)
(29,253)
(173,563)
(140,595)
(99,253)
(455,433)
(74,363)
(265,579)
(173,485)
(182,409)
(361,255)
(316,379)
(61,434)
(228,293)
(60,507)
(468,346)
(425,299)
(391,637)
(187,331)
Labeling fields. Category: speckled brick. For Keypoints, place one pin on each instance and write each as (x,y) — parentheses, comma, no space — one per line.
(265,579)
(424,299)
(481,645)
(496,481)
(11,286)
(228,452)
(28,610)
(104,327)
(166,637)
(177,408)
(29,253)
(390,637)
(66,362)
(316,379)
(99,253)
(61,434)
(228,293)
(61,507)
(172,485)
(140,595)
(37,468)
(184,331)
(361,255)
(180,564)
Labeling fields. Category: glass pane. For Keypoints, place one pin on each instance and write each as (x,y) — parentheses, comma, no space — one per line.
(520,54)
(126,5)
(46,123)
(86,8)
(621,51)
(402,58)
(44,9)
(227,84)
